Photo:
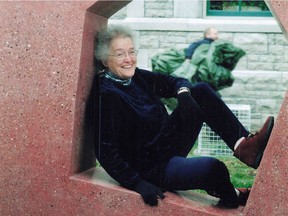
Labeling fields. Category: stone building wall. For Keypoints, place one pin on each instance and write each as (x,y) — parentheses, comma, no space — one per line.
(152,8)
(261,77)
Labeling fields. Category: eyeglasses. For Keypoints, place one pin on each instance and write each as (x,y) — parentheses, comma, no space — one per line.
(122,54)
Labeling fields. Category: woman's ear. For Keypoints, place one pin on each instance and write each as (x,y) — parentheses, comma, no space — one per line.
(104,63)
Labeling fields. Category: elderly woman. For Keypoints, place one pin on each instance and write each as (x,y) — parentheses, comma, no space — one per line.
(144,148)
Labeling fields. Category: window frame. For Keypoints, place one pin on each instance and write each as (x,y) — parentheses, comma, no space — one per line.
(236,13)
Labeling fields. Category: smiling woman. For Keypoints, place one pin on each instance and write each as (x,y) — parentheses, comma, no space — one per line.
(120,55)
(123,59)
(143,147)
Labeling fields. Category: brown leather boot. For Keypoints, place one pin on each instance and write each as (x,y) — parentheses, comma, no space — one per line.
(250,150)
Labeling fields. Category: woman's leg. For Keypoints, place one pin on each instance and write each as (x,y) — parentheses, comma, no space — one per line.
(205,173)
(217,115)
(183,128)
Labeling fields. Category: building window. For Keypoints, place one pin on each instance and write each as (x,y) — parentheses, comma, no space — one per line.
(237,8)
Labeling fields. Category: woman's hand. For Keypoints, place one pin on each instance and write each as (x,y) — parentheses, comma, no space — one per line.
(149,192)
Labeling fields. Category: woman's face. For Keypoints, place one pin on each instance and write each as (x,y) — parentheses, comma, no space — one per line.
(122,57)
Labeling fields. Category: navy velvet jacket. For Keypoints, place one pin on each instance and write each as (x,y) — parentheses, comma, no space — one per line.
(132,117)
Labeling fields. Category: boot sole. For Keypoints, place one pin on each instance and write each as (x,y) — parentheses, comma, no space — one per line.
(268,133)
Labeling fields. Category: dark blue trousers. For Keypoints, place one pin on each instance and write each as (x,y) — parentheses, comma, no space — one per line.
(204,173)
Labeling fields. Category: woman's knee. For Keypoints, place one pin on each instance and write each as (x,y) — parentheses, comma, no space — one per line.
(202,89)
(201,85)
(217,170)
(218,177)
(220,167)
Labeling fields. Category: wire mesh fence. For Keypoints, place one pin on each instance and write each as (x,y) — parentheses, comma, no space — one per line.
(209,143)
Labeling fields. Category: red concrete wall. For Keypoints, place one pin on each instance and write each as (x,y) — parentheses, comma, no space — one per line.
(46,64)
(269,194)
(279,9)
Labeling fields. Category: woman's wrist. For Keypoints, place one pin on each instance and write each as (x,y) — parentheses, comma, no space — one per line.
(182,90)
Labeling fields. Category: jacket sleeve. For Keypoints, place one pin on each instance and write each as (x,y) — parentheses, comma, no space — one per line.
(163,85)
(190,50)
(107,149)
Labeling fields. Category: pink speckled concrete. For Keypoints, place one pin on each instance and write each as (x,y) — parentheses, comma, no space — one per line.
(269,195)
(279,9)
(46,64)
